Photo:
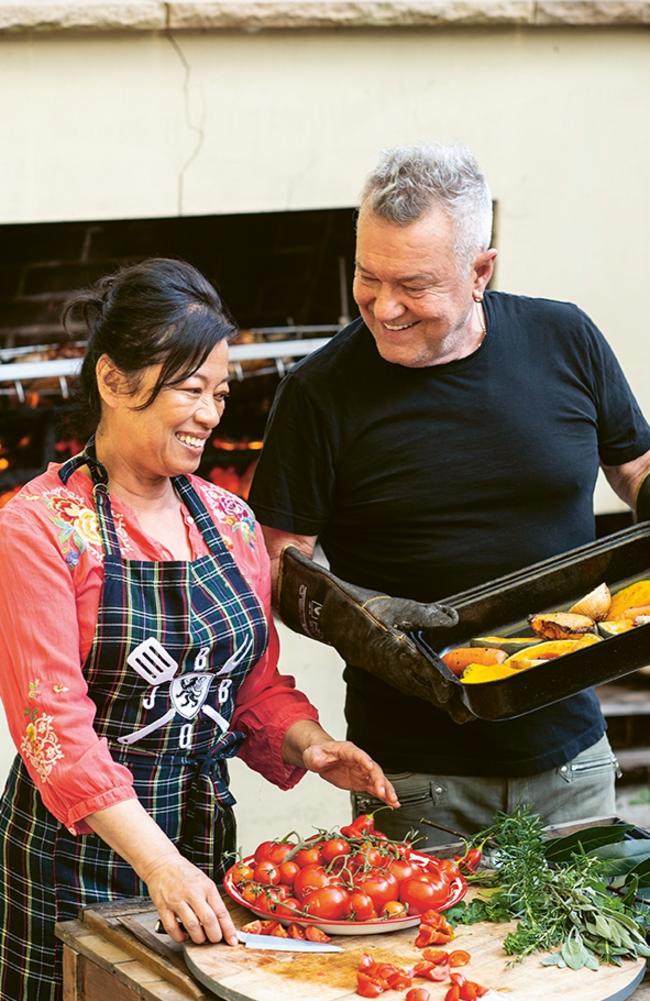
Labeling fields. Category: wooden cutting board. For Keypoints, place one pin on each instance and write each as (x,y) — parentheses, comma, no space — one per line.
(241,974)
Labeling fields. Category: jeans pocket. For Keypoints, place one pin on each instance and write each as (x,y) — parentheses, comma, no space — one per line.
(584,766)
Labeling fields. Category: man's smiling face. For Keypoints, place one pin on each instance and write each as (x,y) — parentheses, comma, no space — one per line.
(413,291)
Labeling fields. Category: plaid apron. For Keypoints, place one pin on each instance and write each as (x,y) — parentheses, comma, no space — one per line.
(173,643)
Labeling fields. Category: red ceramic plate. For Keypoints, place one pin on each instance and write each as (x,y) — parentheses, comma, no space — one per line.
(457,890)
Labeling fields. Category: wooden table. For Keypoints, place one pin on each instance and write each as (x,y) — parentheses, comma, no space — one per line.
(111,952)
(105,961)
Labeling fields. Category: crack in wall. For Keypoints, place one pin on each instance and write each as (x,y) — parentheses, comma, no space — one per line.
(198,129)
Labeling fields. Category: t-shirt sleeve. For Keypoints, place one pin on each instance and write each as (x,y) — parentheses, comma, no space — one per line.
(268,702)
(294,478)
(623,431)
(49,713)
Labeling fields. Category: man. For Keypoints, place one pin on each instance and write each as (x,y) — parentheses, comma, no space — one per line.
(449,436)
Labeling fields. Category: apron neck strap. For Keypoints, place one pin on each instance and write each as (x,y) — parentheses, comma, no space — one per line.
(100,493)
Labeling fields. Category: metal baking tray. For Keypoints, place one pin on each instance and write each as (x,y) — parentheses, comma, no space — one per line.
(502,606)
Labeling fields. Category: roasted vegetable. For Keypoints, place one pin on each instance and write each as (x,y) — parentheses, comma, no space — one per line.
(560,625)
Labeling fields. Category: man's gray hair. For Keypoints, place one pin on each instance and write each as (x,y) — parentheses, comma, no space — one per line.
(409,180)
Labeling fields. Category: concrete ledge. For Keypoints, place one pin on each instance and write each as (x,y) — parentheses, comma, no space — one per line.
(259,15)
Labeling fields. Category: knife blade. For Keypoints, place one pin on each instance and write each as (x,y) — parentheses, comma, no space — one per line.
(284,944)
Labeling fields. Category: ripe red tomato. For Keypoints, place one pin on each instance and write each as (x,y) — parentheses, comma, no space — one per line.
(288,872)
(333,848)
(418,994)
(250,893)
(402,869)
(395,909)
(368,856)
(241,873)
(361,907)
(266,873)
(287,908)
(308,856)
(420,893)
(261,851)
(312,877)
(448,867)
(380,887)
(330,903)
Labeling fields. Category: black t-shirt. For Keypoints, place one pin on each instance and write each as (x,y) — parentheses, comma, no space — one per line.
(423,482)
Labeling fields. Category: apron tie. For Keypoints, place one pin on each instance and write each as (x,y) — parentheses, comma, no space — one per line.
(208,794)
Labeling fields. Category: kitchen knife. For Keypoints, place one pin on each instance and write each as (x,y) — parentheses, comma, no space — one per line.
(284,944)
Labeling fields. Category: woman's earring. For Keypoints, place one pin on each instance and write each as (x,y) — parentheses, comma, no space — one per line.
(477,297)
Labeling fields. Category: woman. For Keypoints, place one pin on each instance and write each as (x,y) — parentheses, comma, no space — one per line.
(137,644)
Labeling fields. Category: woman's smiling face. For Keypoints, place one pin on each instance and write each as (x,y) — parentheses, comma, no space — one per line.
(168,437)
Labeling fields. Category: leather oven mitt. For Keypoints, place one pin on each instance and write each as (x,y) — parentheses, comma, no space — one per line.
(643,500)
(368,629)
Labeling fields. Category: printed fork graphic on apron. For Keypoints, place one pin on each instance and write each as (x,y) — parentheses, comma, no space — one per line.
(187,692)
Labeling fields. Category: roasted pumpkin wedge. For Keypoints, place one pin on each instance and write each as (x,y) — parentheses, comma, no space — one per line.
(595,605)
(560,625)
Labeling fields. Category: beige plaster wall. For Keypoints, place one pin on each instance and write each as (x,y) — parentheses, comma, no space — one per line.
(119,125)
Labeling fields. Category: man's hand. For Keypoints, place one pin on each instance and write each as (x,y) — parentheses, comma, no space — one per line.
(368,629)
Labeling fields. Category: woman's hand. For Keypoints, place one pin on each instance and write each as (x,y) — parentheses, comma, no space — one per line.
(182,893)
(345,765)
(337,761)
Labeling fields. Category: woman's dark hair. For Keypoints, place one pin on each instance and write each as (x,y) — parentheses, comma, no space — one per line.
(159,312)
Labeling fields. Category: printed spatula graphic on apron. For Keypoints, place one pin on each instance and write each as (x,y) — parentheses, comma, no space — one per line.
(187,692)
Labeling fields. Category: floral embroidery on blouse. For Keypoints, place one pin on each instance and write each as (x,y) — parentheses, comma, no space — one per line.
(233,512)
(40,745)
(78,525)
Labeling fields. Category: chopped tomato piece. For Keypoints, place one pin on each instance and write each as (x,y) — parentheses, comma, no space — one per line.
(367,987)
(418,994)
(316,935)
(436,956)
(428,935)
(459,957)
(453,994)
(295,931)
(253,928)
(279,931)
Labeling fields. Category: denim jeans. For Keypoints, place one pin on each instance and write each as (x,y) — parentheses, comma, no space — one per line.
(580,789)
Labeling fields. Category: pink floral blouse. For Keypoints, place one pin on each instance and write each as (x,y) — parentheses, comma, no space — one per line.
(51,573)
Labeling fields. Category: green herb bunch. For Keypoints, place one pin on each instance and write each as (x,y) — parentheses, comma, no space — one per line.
(564,906)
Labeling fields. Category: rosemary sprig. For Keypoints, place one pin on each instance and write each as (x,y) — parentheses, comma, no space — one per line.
(564,906)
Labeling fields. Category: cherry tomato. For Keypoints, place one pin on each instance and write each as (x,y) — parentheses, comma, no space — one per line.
(261,851)
(312,877)
(329,903)
(380,887)
(307,856)
(250,893)
(421,894)
(368,856)
(394,909)
(288,872)
(266,873)
(333,848)
(287,908)
(241,873)
(418,994)
(402,869)
(361,907)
